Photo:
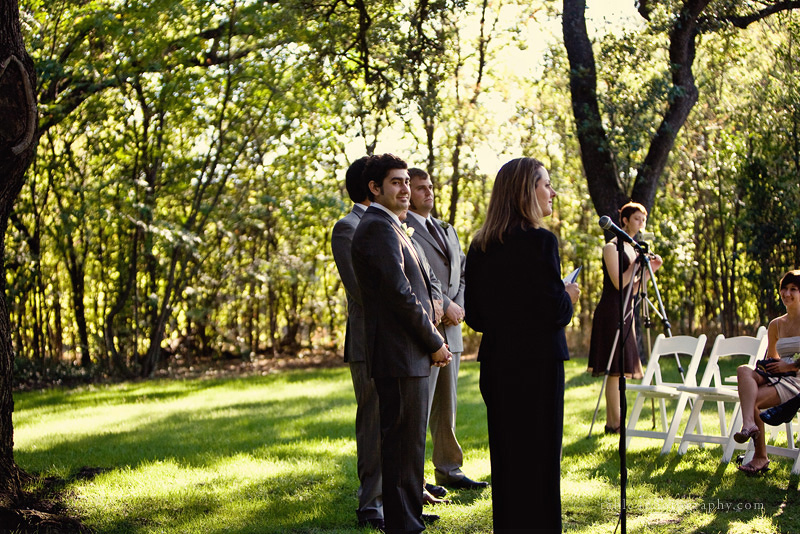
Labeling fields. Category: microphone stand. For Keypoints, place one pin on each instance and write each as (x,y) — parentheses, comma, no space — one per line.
(623,402)
(643,259)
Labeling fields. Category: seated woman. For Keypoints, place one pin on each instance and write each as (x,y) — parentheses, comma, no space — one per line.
(759,389)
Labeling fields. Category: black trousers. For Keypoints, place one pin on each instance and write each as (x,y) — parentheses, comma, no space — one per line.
(404,412)
(526,471)
(368,440)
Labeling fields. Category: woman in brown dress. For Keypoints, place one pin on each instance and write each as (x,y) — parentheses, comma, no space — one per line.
(605,323)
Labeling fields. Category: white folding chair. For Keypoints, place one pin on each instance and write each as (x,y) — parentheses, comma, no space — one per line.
(762,332)
(652,386)
(747,349)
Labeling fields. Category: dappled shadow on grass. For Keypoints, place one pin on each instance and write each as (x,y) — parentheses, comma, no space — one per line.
(471,429)
(168,457)
(196,437)
(276,434)
(58,400)
(581,377)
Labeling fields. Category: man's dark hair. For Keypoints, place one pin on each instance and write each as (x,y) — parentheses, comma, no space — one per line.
(378,168)
(354,180)
(414,172)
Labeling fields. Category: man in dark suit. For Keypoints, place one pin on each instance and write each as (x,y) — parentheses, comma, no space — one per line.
(443,250)
(370,502)
(402,341)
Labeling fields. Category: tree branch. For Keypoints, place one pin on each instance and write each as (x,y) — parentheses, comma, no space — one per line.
(60,105)
(683,96)
(743,21)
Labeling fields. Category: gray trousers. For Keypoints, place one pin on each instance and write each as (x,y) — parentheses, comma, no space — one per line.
(447,455)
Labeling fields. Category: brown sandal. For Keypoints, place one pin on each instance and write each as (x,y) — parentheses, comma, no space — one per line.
(751,471)
(745,434)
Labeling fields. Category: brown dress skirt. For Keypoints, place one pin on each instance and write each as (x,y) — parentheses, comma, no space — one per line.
(605,324)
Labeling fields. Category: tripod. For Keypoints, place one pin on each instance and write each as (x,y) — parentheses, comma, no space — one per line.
(627,307)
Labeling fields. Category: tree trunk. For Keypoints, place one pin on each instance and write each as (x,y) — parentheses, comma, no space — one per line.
(596,153)
(76,270)
(18,140)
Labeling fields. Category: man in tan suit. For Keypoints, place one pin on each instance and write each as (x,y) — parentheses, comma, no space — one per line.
(443,251)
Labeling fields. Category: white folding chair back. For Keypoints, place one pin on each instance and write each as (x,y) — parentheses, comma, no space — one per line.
(652,386)
(712,388)
(761,332)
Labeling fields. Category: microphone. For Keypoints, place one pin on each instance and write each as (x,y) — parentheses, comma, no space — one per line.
(607,224)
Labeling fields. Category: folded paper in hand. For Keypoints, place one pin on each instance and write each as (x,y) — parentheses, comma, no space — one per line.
(571,277)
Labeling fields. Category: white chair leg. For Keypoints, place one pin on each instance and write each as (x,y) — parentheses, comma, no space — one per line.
(676,421)
(634,417)
(731,446)
(694,417)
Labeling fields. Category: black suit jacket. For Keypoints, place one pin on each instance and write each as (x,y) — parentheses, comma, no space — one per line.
(395,294)
(514,294)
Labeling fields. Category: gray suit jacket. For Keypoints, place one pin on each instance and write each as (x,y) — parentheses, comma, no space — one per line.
(341,242)
(396,296)
(448,269)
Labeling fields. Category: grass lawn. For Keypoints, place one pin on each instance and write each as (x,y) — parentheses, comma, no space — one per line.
(277,453)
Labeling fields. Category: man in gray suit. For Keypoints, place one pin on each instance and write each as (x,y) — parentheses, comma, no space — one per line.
(443,250)
(370,503)
(402,341)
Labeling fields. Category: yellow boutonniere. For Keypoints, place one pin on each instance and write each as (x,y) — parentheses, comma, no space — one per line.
(408,230)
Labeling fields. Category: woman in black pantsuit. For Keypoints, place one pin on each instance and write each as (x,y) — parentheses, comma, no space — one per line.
(514,295)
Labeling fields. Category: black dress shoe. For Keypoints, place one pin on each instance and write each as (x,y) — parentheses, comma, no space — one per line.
(782,413)
(429,518)
(467,483)
(436,491)
(374,523)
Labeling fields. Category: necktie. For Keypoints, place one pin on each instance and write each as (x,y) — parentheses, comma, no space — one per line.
(432,230)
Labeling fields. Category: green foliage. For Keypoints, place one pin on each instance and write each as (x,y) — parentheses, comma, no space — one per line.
(769,173)
(192,158)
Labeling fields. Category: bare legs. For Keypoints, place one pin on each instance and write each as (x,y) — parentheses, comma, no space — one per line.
(612,402)
(755,394)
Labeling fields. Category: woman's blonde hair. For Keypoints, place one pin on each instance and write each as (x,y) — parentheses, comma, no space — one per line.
(513,203)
